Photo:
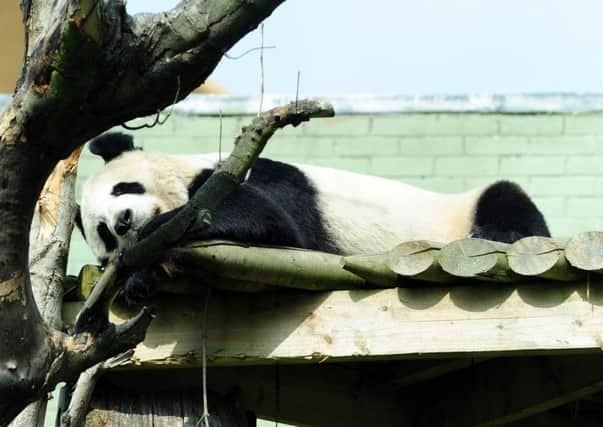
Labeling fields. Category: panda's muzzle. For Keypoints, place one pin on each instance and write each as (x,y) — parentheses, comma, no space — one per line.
(124,222)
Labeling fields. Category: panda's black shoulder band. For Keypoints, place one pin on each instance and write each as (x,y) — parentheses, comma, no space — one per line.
(112,144)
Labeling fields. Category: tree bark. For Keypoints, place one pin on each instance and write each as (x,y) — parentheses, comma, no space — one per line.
(88,66)
(49,240)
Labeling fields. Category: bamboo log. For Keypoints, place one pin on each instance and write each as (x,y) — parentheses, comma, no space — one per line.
(373,268)
(477,259)
(286,267)
(541,257)
(418,260)
(585,251)
(195,282)
(240,268)
(89,275)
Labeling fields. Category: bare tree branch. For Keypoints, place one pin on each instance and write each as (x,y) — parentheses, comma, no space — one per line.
(198,211)
(50,236)
(225,179)
(75,414)
(93,319)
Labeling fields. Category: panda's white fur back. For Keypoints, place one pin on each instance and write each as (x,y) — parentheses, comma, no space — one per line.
(367,213)
(361,213)
(370,214)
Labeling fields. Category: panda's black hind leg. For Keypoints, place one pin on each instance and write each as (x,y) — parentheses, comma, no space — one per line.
(505,213)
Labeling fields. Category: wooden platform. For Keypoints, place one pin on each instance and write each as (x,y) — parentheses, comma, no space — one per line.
(466,334)
(299,327)
(470,297)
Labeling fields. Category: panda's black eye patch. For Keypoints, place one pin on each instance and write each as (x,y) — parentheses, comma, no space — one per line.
(127,188)
(106,236)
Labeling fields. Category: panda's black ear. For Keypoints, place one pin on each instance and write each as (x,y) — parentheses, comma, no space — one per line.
(78,220)
(112,144)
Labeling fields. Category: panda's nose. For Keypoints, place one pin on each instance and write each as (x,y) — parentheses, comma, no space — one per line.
(124,221)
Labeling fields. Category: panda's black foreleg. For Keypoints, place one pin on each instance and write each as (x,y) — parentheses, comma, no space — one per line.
(505,213)
(247,216)
(139,284)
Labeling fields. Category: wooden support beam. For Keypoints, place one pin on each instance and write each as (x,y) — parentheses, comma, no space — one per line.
(322,395)
(550,419)
(506,390)
(328,394)
(297,326)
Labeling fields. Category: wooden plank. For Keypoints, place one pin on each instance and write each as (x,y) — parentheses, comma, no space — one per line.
(295,327)
(131,405)
(506,390)
(325,395)
(167,410)
(328,394)
(550,419)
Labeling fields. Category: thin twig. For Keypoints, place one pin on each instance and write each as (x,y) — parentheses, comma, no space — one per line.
(261,68)
(205,416)
(297,90)
(227,176)
(220,140)
(277,394)
(158,120)
(253,49)
(204,350)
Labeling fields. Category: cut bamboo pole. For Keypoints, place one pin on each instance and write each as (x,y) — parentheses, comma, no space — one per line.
(418,260)
(373,268)
(286,267)
(541,257)
(585,251)
(477,259)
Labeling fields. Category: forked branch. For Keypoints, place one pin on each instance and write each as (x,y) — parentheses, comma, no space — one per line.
(197,213)
(225,179)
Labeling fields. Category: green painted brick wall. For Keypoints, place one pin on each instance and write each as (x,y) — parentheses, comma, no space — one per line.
(558,158)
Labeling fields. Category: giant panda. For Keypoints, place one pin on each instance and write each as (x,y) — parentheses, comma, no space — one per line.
(284,204)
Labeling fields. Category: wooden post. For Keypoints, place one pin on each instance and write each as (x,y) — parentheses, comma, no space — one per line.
(115,406)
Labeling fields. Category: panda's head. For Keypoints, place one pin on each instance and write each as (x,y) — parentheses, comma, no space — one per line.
(130,189)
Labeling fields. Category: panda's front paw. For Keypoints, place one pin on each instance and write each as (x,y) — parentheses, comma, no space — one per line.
(139,285)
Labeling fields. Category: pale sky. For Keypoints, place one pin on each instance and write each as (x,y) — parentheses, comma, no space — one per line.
(420,47)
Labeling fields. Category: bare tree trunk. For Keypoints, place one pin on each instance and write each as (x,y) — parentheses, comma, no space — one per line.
(88,66)
(49,240)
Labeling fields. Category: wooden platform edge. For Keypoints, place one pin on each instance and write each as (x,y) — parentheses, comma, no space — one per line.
(372,324)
